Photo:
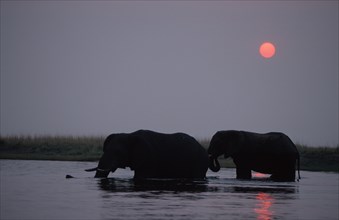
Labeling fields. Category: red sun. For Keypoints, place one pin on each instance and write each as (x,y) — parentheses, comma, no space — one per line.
(267,50)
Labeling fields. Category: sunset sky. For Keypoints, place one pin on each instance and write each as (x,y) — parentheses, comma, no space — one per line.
(101,67)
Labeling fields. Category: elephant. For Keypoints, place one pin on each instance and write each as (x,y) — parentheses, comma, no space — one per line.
(153,155)
(271,153)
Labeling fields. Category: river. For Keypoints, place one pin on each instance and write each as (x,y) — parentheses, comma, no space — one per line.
(39,190)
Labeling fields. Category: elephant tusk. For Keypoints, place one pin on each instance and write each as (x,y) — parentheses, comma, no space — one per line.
(102,170)
(92,169)
(97,169)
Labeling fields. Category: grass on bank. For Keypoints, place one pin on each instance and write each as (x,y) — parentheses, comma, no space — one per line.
(67,148)
(87,148)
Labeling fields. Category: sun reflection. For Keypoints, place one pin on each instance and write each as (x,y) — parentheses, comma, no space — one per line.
(264,202)
(260,175)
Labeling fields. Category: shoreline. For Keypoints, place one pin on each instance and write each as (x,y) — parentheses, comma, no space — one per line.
(88,148)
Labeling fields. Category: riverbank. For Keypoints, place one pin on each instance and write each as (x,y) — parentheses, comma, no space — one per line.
(87,148)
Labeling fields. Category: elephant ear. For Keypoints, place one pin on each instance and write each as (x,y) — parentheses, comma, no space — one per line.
(108,141)
(139,151)
(240,142)
(233,143)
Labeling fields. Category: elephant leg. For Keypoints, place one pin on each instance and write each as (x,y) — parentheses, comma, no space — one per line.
(283,177)
(243,172)
(285,174)
(145,172)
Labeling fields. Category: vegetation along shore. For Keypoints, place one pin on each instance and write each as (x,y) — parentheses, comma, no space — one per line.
(89,148)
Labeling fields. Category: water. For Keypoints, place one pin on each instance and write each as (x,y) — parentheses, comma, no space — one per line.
(39,190)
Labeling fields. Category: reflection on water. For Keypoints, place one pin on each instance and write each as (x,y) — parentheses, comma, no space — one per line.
(264,203)
(39,190)
(283,190)
(195,186)
(131,185)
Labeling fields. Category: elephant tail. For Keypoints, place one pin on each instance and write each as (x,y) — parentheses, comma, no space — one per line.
(298,167)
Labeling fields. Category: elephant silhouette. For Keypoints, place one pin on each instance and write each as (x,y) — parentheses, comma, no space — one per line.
(272,153)
(153,155)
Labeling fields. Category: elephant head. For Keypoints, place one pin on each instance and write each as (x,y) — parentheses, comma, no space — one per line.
(223,142)
(118,153)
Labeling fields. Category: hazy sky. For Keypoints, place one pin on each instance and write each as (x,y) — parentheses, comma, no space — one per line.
(100,67)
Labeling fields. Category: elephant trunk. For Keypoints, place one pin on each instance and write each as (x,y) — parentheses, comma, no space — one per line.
(102,173)
(214,164)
